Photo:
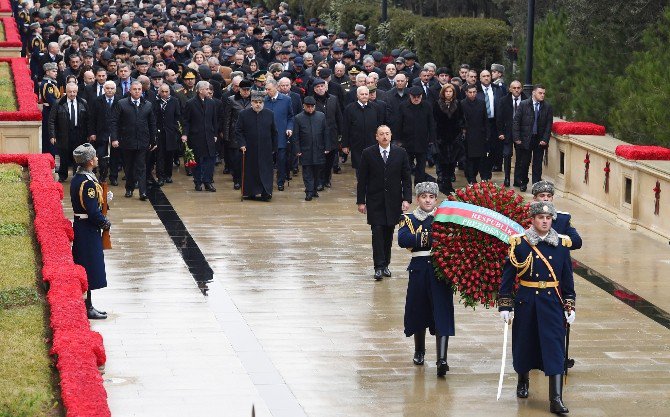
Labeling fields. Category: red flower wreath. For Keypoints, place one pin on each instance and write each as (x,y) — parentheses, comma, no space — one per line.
(578,128)
(472,260)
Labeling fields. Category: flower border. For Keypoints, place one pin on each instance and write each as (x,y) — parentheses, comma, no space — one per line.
(578,128)
(5,6)
(78,350)
(643,152)
(26,99)
(12,38)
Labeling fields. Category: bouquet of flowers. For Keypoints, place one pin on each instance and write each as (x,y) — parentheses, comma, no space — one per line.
(470,259)
(189,157)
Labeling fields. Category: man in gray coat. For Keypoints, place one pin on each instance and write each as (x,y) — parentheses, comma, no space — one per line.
(309,139)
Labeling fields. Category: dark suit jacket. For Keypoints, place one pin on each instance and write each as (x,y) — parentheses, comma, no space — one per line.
(358,131)
(498,94)
(134,127)
(167,123)
(91,93)
(382,187)
(59,123)
(201,126)
(523,124)
(505,115)
(100,116)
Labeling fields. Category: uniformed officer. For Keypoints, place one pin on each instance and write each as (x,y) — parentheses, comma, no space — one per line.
(35,49)
(429,303)
(49,95)
(544,191)
(545,300)
(259,77)
(187,92)
(87,200)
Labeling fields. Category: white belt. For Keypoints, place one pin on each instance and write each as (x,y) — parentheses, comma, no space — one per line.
(81,216)
(421,253)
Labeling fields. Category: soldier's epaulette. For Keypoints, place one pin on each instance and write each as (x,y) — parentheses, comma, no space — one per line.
(516,239)
(562,212)
(407,221)
(565,240)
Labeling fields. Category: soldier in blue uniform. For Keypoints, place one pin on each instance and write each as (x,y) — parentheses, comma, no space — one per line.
(544,191)
(49,95)
(429,302)
(87,200)
(545,300)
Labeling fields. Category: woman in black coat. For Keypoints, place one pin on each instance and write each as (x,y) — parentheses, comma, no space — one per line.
(448,117)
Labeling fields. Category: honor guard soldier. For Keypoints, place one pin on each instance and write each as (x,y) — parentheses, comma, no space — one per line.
(35,49)
(544,191)
(259,77)
(49,96)
(87,200)
(539,261)
(429,303)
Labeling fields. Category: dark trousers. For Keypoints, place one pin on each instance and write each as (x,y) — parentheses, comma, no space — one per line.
(234,164)
(310,173)
(474,166)
(507,160)
(135,168)
(164,163)
(382,239)
(327,171)
(523,162)
(495,146)
(203,173)
(282,165)
(65,152)
(418,160)
(150,162)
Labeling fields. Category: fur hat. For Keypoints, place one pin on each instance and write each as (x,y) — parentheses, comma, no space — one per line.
(542,207)
(542,187)
(83,153)
(426,187)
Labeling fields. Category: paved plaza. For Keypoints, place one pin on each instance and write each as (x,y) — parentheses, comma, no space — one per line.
(294,324)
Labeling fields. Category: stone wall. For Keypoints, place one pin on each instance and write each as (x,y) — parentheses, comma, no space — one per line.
(20,137)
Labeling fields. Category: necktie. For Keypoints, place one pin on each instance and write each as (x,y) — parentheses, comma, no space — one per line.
(488,103)
(537,114)
(136,103)
(109,102)
(516,105)
(73,115)
(100,91)
(425,89)
(384,155)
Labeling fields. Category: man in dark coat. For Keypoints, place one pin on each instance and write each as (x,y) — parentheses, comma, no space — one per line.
(256,134)
(417,130)
(531,134)
(490,94)
(68,127)
(506,108)
(309,141)
(397,96)
(236,103)
(384,191)
(100,130)
(329,105)
(475,129)
(361,120)
(282,109)
(200,130)
(133,130)
(167,109)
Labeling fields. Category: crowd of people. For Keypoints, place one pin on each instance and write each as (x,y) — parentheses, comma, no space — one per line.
(195,68)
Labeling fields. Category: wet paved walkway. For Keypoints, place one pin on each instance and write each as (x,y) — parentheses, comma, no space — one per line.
(295,324)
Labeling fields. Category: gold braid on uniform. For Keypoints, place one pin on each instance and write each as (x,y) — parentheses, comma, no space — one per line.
(523,266)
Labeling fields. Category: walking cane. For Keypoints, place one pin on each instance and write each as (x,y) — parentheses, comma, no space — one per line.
(244,157)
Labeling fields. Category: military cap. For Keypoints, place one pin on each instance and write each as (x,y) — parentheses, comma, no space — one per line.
(83,153)
(324,72)
(260,76)
(50,66)
(245,84)
(318,81)
(257,95)
(426,187)
(354,70)
(542,187)
(416,91)
(542,207)
(309,100)
(313,20)
(498,67)
(189,74)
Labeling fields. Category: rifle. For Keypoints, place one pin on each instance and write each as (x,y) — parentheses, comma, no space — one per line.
(104,169)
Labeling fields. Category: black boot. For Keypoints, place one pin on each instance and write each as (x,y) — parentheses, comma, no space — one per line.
(556,395)
(522,385)
(419,347)
(507,168)
(442,345)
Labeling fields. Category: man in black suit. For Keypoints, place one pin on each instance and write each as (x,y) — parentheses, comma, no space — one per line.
(489,93)
(506,108)
(133,130)
(361,120)
(97,88)
(100,131)
(531,134)
(167,109)
(384,191)
(200,130)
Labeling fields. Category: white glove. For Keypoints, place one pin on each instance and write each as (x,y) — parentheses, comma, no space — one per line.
(110,196)
(506,315)
(570,318)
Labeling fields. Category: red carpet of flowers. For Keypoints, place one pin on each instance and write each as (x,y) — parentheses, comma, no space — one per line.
(472,260)
(78,350)
(25,96)
(641,152)
(5,6)
(12,38)
(578,128)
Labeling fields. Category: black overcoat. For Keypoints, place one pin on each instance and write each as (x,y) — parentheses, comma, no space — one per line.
(505,115)
(417,126)
(59,123)
(168,122)
(476,126)
(133,126)
(257,131)
(201,126)
(236,104)
(309,137)
(382,187)
(448,127)
(360,127)
(329,105)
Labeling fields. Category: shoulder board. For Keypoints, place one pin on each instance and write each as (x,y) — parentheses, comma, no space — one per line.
(562,212)
(565,240)
(516,239)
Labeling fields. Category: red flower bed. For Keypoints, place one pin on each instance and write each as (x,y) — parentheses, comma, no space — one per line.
(641,152)
(578,128)
(470,259)
(12,38)
(5,6)
(78,350)
(25,96)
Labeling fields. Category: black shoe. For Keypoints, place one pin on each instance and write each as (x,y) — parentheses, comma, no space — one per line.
(506,182)
(569,363)
(176,162)
(236,186)
(556,405)
(316,195)
(442,346)
(280,187)
(386,272)
(188,172)
(419,357)
(210,188)
(516,184)
(328,185)
(114,182)
(522,385)
(419,347)
(319,188)
(295,171)
(337,170)
(161,183)
(198,187)
(168,180)
(61,179)
(94,314)
(152,182)
(308,197)
(143,197)
(266,197)
(104,313)
(226,171)
(378,275)
(523,188)
(218,161)
(128,194)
